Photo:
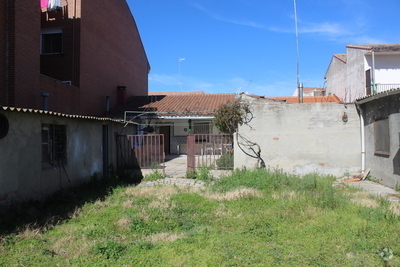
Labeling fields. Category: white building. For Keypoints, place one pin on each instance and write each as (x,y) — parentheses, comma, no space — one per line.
(363,70)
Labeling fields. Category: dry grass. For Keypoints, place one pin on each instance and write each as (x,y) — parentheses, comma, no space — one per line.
(395,208)
(282,195)
(240,193)
(72,247)
(164,237)
(364,199)
(31,231)
(123,223)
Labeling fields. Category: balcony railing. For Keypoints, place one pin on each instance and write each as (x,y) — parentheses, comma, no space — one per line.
(382,87)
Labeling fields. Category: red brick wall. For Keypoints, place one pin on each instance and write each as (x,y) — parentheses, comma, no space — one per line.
(63,98)
(65,66)
(111,54)
(102,50)
(3,23)
(27,60)
(19,41)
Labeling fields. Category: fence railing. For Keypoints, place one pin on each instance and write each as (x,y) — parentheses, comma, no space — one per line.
(141,151)
(214,151)
(381,87)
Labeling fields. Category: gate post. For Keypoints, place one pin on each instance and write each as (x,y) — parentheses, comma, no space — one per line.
(190,152)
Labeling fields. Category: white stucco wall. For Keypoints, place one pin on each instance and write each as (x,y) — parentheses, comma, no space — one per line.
(387,67)
(302,138)
(22,175)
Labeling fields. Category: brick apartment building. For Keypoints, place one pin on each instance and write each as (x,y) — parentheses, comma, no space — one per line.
(78,57)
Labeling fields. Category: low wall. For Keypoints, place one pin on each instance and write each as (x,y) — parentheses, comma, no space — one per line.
(300,138)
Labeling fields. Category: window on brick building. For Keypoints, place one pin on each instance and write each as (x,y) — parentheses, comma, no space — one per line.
(51,41)
(54,145)
(382,137)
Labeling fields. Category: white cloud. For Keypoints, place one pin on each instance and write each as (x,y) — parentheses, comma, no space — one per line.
(229,20)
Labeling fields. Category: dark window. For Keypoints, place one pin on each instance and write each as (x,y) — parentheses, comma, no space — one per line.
(382,137)
(3,126)
(54,145)
(52,43)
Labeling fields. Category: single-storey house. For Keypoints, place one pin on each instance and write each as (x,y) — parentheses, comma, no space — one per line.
(43,152)
(174,115)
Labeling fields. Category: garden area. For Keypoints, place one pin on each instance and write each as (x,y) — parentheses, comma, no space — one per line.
(249,218)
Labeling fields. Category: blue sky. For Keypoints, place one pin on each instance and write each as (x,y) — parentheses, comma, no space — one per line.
(232,46)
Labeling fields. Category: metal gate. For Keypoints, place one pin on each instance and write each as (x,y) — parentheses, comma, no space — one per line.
(143,151)
(214,151)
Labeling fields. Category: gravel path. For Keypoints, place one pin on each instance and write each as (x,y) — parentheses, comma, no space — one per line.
(175,181)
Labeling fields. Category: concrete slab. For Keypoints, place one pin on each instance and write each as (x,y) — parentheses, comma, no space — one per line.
(376,189)
(176,165)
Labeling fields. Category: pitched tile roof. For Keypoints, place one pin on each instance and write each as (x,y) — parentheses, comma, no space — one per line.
(377,47)
(177,93)
(341,57)
(175,105)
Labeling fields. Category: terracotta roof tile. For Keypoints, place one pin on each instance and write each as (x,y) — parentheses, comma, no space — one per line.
(341,57)
(177,93)
(175,105)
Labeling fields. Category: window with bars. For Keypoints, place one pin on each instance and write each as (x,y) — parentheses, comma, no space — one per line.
(54,145)
(382,137)
(201,127)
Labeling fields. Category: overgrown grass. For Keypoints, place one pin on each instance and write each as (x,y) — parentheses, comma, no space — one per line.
(251,218)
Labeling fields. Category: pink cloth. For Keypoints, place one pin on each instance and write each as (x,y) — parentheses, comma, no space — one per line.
(44,3)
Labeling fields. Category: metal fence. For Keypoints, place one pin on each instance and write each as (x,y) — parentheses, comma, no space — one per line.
(141,151)
(214,151)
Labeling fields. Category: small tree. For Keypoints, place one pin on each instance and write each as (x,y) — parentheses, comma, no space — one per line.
(229,116)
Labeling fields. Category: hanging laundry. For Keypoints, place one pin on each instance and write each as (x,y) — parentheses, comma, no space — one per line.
(54,4)
(44,3)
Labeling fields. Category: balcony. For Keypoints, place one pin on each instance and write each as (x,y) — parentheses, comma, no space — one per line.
(382,87)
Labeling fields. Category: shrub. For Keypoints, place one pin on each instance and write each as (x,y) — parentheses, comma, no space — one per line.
(225,161)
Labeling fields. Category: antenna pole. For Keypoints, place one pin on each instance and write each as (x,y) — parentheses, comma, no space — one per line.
(297,48)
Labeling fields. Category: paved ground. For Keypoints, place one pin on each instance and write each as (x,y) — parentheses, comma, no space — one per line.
(175,173)
(376,189)
(176,165)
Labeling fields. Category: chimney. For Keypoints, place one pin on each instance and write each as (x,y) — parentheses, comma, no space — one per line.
(300,92)
(121,95)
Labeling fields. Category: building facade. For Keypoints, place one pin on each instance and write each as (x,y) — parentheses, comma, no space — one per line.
(78,57)
(363,70)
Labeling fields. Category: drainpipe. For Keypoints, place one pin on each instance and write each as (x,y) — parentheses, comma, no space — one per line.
(373,71)
(362,133)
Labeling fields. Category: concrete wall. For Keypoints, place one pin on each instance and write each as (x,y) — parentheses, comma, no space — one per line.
(301,138)
(22,175)
(384,168)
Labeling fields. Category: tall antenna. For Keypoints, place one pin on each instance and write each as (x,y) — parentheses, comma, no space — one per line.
(179,72)
(299,86)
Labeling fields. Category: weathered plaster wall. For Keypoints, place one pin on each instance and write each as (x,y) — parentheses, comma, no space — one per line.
(384,168)
(336,79)
(302,138)
(22,175)
(355,73)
